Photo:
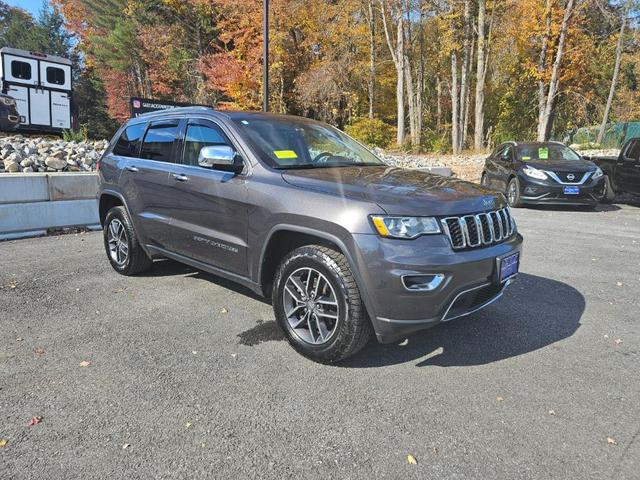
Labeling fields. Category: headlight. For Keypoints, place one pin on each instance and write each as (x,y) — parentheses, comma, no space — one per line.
(597,174)
(7,101)
(405,227)
(534,173)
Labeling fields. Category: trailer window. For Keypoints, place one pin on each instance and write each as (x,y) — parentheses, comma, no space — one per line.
(158,142)
(129,142)
(55,76)
(20,70)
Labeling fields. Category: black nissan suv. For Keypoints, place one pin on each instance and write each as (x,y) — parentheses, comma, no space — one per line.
(543,173)
(299,212)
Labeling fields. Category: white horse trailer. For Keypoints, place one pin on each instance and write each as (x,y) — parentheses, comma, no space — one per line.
(41,86)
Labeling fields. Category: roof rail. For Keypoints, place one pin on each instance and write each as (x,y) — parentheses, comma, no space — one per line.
(175,110)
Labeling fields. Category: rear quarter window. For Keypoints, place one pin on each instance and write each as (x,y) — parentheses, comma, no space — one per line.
(128,144)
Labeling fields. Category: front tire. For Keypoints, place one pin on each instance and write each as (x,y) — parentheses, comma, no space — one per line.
(513,193)
(121,244)
(317,304)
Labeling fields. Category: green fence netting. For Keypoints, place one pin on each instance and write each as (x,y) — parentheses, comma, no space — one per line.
(615,134)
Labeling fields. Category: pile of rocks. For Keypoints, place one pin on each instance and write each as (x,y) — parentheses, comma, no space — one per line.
(467,166)
(20,153)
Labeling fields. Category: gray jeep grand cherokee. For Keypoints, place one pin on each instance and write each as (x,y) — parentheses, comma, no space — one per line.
(300,212)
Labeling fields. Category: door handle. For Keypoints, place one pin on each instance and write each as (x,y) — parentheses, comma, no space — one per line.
(180,177)
(133,169)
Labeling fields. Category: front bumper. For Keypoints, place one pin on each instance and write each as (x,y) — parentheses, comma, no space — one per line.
(470,281)
(538,192)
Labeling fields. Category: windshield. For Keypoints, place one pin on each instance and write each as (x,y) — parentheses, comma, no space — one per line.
(286,143)
(546,152)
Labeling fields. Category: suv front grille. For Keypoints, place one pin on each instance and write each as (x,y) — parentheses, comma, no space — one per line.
(473,231)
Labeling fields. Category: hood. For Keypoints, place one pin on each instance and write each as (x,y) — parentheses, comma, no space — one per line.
(562,165)
(399,191)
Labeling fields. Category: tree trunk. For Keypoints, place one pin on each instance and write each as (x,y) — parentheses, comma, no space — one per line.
(542,63)
(478,138)
(616,72)
(372,58)
(438,103)
(454,103)
(412,95)
(547,120)
(467,102)
(397,55)
(464,81)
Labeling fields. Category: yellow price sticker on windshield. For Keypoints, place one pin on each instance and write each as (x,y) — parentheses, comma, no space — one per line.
(284,154)
(526,158)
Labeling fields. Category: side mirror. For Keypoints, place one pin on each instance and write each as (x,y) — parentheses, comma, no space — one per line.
(220,157)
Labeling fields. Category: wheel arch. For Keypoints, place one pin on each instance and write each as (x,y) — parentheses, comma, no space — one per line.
(106,202)
(275,249)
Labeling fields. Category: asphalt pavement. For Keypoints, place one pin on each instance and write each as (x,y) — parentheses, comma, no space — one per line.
(179,374)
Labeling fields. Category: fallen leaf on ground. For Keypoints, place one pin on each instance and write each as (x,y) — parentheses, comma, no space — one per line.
(35,421)
(611,441)
(234,355)
(194,352)
(187,425)
(224,310)
(39,351)
(619,284)
(435,450)
(499,399)
(411,460)
(3,442)
(125,446)
(85,363)
(552,412)
(618,341)
(118,290)
(19,339)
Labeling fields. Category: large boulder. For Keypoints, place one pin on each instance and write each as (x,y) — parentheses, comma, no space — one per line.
(55,163)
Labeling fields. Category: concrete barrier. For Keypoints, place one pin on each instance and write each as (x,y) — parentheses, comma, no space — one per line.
(32,203)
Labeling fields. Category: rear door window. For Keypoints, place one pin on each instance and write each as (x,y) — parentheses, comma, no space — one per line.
(159,140)
(129,142)
(199,136)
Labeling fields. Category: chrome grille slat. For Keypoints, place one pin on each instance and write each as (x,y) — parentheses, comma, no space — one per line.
(473,231)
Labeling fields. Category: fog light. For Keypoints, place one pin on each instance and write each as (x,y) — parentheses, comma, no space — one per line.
(422,283)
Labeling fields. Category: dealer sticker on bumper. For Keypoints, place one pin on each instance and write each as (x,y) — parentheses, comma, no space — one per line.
(571,190)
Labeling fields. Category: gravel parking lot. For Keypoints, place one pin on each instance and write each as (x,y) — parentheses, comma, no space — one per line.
(178,374)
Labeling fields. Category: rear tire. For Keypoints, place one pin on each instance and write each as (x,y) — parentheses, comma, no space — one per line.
(317,304)
(513,193)
(609,194)
(121,244)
